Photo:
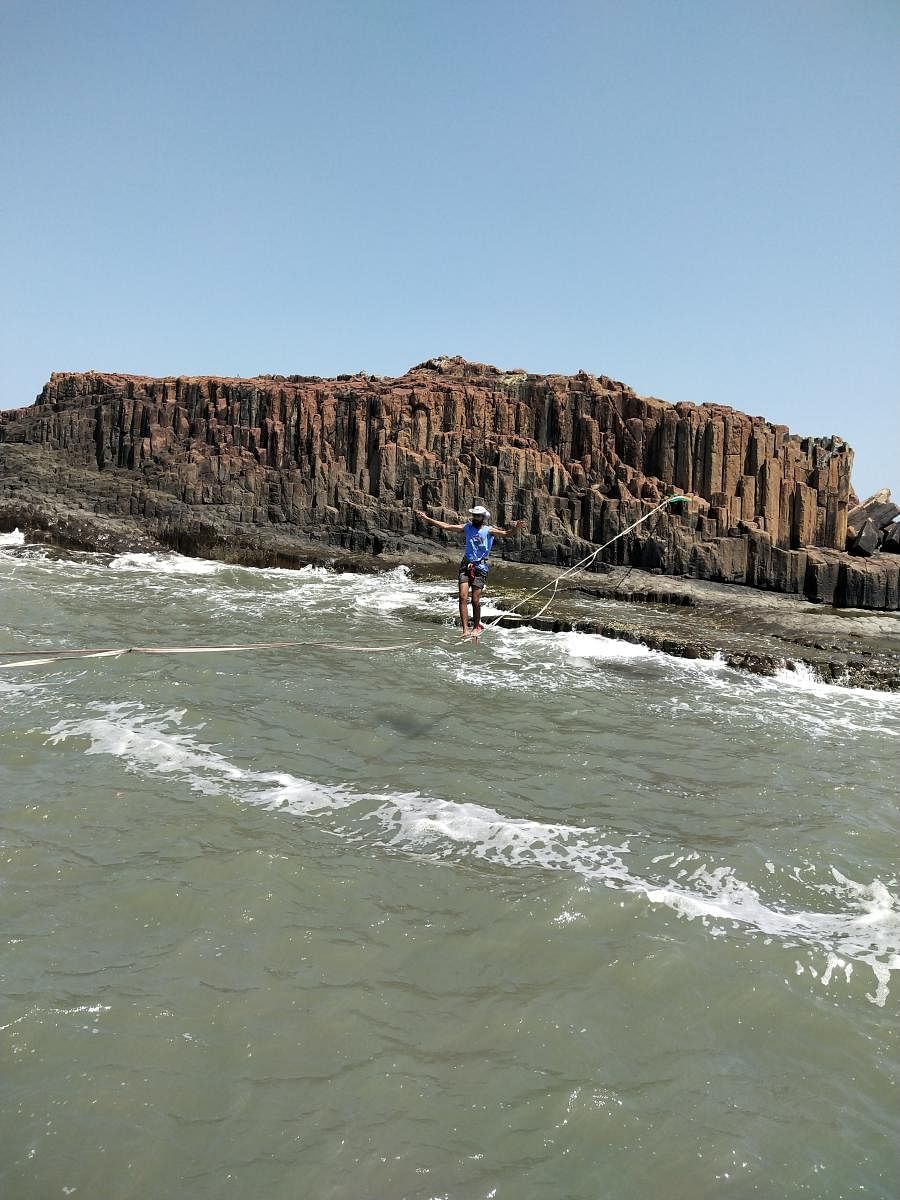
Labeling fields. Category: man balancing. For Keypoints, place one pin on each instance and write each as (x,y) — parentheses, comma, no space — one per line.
(474,566)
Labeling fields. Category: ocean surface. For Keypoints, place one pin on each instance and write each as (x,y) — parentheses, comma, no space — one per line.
(552,917)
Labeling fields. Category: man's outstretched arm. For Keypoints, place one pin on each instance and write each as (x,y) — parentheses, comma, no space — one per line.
(439,524)
(516,527)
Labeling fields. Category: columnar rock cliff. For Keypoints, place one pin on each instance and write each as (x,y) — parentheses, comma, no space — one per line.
(195,462)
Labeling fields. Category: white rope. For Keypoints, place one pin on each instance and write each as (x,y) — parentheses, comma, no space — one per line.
(579,566)
(50,656)
(37,662)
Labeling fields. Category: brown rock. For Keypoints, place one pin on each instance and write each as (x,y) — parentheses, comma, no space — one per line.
(346,460)
(868,583)
(878,509)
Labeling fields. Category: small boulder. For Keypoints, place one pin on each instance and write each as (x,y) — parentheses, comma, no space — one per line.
(878,509)
(866,541)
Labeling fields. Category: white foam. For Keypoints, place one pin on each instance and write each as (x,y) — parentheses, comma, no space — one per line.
(527,659)
(802,678)
(91,1009)
(594,645)
(500,665)
(426,824)
(795,702)
(385,599)
(791,699)
(166,564)
(16,538)
(861,926)
(147,743)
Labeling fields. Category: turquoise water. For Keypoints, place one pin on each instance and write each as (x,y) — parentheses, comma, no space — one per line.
(555,916)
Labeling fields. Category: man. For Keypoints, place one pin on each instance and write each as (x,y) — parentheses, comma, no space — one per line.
(479,538)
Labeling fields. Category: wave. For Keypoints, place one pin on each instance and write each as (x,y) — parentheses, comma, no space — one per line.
(791,702)
(801,677)
(507,659)
(795,701)
(16,538)
(166,564)
(862,925)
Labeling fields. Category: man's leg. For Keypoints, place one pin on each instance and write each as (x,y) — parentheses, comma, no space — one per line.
(464,606)
(476,606)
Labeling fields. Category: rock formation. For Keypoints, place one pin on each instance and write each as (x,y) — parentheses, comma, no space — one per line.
(869,524)
(219,466)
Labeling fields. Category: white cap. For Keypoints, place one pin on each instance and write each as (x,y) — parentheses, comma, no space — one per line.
(479,511)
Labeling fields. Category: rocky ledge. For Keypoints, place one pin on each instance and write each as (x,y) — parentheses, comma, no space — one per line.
(759,632)
(286,470)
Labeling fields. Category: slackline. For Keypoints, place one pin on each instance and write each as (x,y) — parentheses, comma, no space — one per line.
(40,656)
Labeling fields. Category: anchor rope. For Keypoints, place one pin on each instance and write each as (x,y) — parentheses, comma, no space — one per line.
(21,658)
(583,565)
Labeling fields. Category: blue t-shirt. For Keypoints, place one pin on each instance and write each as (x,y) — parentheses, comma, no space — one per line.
(479,540)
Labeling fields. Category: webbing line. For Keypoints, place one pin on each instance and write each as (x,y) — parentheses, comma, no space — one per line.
(21,658)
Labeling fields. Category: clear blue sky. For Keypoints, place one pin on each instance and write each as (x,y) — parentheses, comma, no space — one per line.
(698,197)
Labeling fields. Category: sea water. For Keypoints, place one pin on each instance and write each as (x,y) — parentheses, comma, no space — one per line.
(549,916)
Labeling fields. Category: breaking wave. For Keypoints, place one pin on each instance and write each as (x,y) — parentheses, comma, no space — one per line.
(849,922)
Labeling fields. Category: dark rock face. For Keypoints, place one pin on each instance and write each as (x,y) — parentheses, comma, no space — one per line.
(866,541)
(821,581)
(216,465)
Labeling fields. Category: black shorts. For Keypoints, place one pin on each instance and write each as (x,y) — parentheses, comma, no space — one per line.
(480,580)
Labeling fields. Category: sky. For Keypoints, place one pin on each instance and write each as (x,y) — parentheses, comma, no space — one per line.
(700,198)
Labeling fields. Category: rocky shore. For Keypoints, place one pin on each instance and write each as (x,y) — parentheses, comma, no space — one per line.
(758,632)
(285,471)
(755,631)
(230,466)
